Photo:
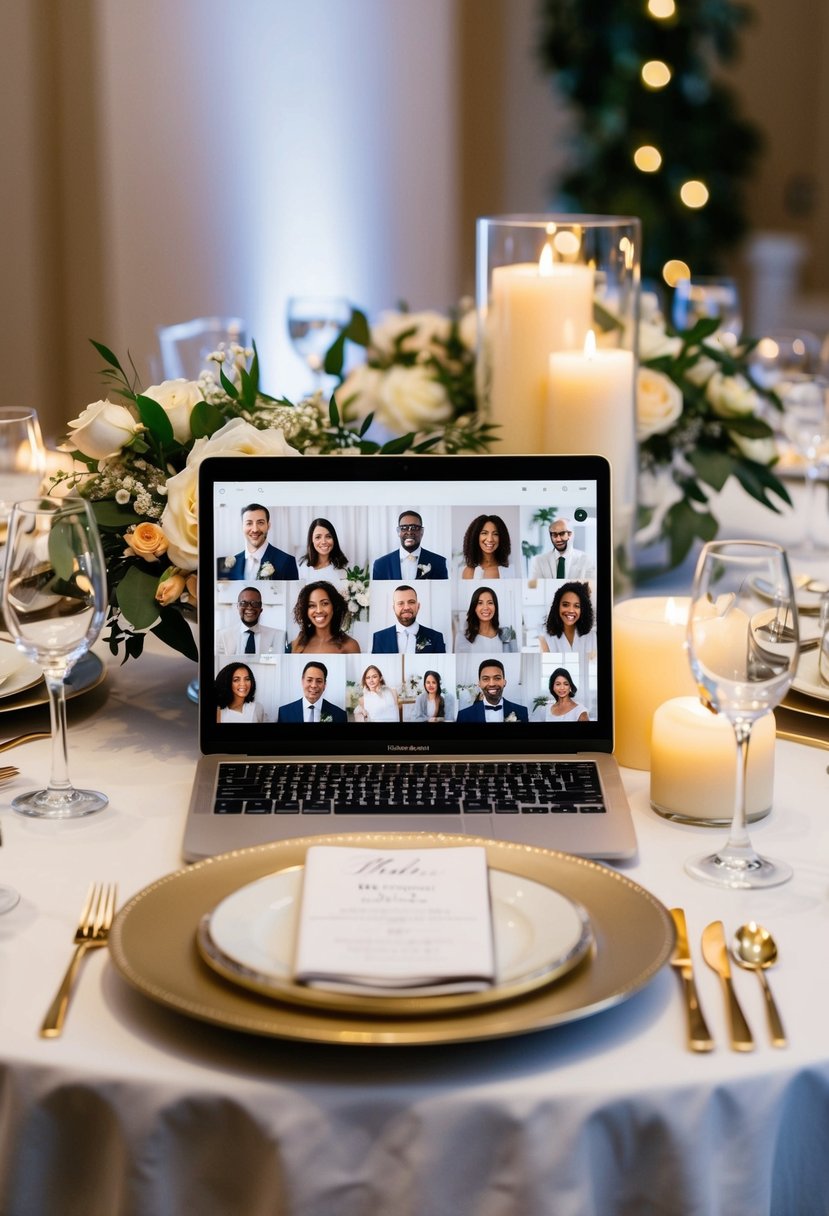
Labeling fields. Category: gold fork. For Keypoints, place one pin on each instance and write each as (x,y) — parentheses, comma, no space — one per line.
(93,930)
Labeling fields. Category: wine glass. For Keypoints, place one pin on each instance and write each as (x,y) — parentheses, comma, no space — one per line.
(313,324)
(805,423)
(54,598)
(743,647)
(22,461)
(708,296)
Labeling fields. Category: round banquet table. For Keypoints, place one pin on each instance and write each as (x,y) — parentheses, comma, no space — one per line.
(139,1110)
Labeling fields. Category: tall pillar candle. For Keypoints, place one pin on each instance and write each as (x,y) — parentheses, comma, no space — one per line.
(590,409)
(533,310)
(694,764)
(650,666)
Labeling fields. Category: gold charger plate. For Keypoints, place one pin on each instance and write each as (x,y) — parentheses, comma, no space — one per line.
(87,674)
(153,946)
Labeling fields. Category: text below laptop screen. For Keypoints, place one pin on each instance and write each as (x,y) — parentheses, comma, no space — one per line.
(403,603)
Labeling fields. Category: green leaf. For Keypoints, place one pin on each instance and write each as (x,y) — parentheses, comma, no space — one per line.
(683,526)
(367,421)
(335,356)
(401,444)
(228,385)
(205,420)
(358,330)
(713,467)
(333,411)
(108,356)
(111,515)
(155,420)
(136,598)
(62,549)
(172,629)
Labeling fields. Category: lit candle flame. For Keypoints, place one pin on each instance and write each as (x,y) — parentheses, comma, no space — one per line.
(590,344)
(545,262)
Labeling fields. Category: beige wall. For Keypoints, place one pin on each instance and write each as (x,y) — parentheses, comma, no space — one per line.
(178,157)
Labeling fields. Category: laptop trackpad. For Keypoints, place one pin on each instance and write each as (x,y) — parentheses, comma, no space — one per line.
(403,823)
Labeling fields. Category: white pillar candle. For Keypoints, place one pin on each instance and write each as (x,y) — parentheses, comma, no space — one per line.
(590,409)
(533,309)
(650,666)
(694,763)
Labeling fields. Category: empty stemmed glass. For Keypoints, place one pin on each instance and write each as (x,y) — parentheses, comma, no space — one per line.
(313,324)
(743,654)
(805,423)
(22,460)
(54,599)
(708,296)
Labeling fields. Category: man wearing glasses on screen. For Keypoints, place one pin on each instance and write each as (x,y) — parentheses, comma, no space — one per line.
(564,561)
(410,561)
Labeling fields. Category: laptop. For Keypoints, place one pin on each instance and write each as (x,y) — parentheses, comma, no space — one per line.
(390,643)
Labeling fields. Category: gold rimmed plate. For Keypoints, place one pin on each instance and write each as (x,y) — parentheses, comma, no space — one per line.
(87,674)
(153,946)
(808,681)
(539,935)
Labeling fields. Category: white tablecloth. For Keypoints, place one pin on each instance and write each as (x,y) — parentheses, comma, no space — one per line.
(138,1110)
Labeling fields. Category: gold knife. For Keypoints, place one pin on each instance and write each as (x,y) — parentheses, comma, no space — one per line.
(699,1036)
(716,956)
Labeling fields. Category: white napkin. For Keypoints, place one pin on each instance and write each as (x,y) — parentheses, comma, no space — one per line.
(395,921)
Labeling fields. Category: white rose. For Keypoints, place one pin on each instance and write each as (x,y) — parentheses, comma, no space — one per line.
(411,400)
(658,403)
(177,398)
(102,430)
(731,396)
(763,451)
(180,519)
(431,331)
(358,395)
(654,342)
(705,367)
(468,329)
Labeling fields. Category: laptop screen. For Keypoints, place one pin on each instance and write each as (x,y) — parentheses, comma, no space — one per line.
(404,603)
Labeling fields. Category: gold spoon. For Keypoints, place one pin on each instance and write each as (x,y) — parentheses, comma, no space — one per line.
(755,949)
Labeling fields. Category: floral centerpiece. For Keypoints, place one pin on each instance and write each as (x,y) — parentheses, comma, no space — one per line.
(136,460)
(701,418)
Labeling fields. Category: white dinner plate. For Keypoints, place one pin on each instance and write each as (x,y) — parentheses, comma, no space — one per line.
(807,601)
(16,671)
(808,679)
(249,938)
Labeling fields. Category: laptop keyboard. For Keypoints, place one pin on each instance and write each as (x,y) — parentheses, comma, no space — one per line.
(559,787)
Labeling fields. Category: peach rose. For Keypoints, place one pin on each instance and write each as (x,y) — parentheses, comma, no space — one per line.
(146,540)
(170,586)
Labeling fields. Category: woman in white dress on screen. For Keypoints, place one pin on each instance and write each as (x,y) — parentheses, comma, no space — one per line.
(433,704)
(323,557)
(563,707)
(378,702)
(486,549)
(235,692)
(483,630)
(569,626)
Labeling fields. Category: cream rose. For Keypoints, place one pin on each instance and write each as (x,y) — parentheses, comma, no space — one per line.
(431,332)
(658,403)
(177,398)
(180,521)
(147,540)
(170,586)
(654,342)
(731,396)
(763,451)
(410,399)
(358,395)
(102,430)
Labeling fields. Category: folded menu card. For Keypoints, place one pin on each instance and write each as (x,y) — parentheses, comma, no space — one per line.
(396,920)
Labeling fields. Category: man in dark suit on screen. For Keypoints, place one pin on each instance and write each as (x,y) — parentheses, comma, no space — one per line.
(493,705)
(259,559)
(312,706)
(410,560)
(407,637)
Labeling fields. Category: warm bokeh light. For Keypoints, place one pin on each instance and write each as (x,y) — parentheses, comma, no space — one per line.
(674,270)
(661,9)
(627,251)
(767,348)
(655,74)
(647,158)
(566,243)
(694,194)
